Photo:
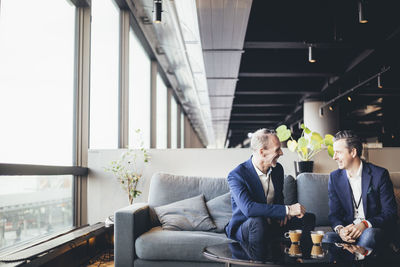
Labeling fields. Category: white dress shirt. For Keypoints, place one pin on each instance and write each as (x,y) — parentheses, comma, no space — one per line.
(268,186)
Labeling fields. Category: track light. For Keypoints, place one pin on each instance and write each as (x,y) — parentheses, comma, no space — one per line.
(349,98)
(362,12)
(157,10)
(311,59)
(379,81)
(331,108)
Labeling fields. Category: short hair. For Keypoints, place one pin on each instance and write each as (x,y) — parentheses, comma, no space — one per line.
(351,139)
(259,138)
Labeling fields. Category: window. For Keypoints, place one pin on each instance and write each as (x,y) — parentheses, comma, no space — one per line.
(36,107)
(161,113)
(139,90)
(36,81)
(182,130)
(174,123)
(104,75)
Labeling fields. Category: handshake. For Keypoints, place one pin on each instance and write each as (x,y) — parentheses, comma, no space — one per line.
(297,210)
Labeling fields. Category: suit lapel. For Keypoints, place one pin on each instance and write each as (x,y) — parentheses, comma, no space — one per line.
(346,192)
(365,181)
(254,181)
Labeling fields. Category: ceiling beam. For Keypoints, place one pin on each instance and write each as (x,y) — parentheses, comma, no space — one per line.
(256,114)
(291,92)
(296,45)
(262,105)
(253,122)
(284,74)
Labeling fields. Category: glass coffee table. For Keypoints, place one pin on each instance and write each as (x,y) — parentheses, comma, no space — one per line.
(283,252)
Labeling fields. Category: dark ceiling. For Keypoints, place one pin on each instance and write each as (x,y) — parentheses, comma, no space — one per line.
(275,76)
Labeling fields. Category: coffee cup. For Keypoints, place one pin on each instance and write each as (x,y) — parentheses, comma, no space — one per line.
(294,235)
(317,252)
(317,236)
(294,250)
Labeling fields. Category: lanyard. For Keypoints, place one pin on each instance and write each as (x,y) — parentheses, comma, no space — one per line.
(354,201)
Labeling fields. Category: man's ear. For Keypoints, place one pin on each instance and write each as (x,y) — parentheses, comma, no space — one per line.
(353,152)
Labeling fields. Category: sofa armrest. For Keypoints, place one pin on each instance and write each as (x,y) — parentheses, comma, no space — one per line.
(130,223)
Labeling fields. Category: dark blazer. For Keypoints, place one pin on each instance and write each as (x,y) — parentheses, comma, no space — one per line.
(377,197)
(248,197)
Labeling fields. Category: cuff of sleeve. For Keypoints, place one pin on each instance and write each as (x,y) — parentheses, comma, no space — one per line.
(287,210)
(337,226)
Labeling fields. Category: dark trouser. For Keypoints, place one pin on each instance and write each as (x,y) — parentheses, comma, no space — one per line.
(370,238)
(257,229)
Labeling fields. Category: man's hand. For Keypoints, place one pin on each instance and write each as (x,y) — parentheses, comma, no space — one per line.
(344,234)
(297,210)
(356,230)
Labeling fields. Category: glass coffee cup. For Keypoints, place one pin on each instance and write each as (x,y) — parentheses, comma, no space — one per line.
(317,236)
(294,235)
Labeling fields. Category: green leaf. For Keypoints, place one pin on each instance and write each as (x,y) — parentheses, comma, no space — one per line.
(302,143)
(328,140)
(306,130)
(285,135)
(317,137)
(330,151)
(281,128)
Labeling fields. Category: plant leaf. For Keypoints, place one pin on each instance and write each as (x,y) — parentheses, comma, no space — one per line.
(328,140)
(281,128)
(330,151)
(292,144)
(302,143)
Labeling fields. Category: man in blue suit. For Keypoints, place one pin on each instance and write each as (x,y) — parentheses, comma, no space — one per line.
(361,199)
(256,188)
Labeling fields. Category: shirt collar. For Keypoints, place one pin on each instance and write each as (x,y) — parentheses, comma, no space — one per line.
(359,171)
(259,173)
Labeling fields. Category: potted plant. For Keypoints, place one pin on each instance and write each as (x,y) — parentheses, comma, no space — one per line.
(307,146)
(127,170)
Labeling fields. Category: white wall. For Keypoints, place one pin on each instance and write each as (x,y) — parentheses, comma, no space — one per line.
(105,194)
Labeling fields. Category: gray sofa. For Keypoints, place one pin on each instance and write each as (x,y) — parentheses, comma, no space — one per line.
(140,240)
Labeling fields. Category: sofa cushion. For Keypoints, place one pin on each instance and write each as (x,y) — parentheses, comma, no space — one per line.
(220,209)
(312,192)
(158,244)
(185,215)
(289,190)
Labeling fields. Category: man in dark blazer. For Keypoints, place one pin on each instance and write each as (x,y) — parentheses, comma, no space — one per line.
(361,199)
(256,188)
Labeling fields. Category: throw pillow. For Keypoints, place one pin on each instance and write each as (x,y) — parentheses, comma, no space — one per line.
(220,209)
(185,215)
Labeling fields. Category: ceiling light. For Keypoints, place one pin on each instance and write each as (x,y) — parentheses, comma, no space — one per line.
(379,81)
(311,59)
(331,108)
(349,98)
(157,10)
(362,12)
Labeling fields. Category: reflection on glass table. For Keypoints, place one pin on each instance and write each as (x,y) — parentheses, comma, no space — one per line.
(283,252)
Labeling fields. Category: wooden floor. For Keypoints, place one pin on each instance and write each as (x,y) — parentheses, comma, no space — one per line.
(103,260)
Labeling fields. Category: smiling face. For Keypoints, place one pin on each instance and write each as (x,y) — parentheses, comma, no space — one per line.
(269,155)
(342,155)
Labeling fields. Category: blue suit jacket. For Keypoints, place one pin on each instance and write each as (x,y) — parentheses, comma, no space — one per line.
(248,197)
(377,197)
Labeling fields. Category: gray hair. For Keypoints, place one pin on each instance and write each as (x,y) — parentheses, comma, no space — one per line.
(259,139)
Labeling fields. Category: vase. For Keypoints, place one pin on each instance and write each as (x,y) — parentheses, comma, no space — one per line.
(303,166)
